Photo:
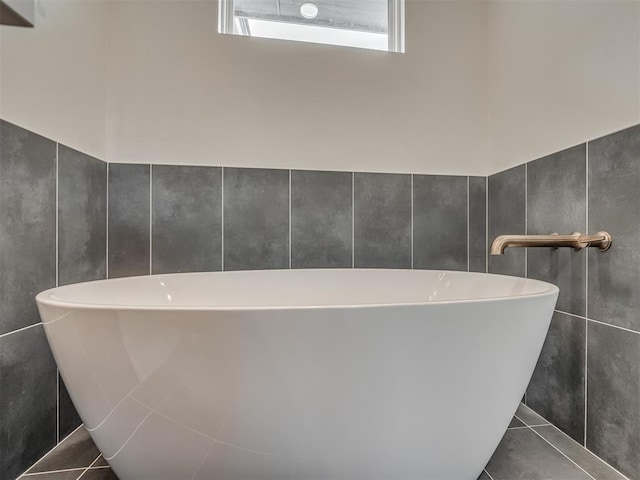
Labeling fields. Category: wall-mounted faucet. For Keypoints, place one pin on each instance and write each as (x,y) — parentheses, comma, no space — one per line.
(576,240)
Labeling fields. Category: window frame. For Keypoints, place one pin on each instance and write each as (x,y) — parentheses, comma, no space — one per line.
(396,23)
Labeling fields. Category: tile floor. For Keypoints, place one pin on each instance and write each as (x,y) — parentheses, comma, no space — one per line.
(531,449)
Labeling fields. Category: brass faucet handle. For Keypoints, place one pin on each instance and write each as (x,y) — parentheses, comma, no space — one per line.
(600,240)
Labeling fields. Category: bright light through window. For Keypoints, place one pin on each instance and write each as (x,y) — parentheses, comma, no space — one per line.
(370,24)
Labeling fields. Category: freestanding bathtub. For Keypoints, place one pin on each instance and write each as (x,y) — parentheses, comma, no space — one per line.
(298,374)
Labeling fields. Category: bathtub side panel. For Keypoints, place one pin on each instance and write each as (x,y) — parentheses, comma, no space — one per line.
(334,393)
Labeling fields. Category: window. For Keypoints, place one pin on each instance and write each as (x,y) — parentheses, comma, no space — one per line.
(371,24)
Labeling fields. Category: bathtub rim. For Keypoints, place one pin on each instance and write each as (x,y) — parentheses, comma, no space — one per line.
(44,297)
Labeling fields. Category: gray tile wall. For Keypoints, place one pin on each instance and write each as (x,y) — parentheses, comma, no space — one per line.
(129,220)
(187,219)
(382,220)
(478,224)
(212,218)
(256,219)
(35,409)
(440,223)
(506,203)
(170,218)
(587,380)
(321,219)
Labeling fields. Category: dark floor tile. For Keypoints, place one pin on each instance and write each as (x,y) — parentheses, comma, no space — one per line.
(99,474)
(524,455)
(484,476)
(27,400)
(77,450)
(187,219)
(614,196)
(82,217)
(556,390)
(529,417)
(28,220)
(129,222)
(321,219)
(68,418)
(556,203)
(613,397)
(382,220)
(256,219)
(100,462)
(478,224)
(580,455)
(68,475)
(515,423)
(440,222)
(507,216)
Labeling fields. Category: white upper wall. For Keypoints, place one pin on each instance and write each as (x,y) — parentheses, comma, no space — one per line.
(482,87)
(179,92)
(53,76)
(560,73)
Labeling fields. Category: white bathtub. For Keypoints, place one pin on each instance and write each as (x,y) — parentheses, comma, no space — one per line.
(298,374)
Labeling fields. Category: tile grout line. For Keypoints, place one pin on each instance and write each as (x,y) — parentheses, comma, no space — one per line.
(150,219)
(222,220)
(353,219)
(87,469)
(586,295)
(585,449)
(526,217)
(549,424)
(48,472)
(50,451)
(106,259)
(290,245)
(556,448)
(468,227)
(20,330)
(563,454)
(57,281)
(486,224)
(412,221)
(488,474)
(598,321)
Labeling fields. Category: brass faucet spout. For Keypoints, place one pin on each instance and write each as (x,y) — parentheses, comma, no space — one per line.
(575,240)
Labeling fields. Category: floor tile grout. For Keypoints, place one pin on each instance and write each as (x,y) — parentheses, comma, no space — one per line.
(86,469)
(58,444)
(559,451)
(583,447)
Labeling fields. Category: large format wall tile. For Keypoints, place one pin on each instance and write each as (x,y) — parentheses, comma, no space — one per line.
(187,219)
(82,217)
(27,223)
(128,220)
(556,202)
(613,393)
(477,224)
(256,219)
(321,219)
(556,390)
(507,216)
(382,220)
(440,222)
(27,400)
(614,197)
